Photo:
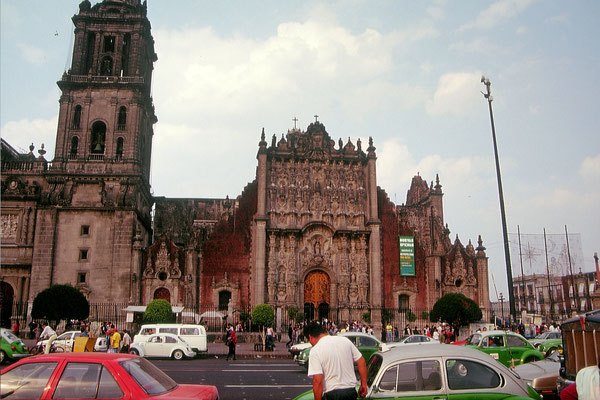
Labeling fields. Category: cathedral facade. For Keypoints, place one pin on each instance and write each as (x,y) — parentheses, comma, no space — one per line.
(313,230)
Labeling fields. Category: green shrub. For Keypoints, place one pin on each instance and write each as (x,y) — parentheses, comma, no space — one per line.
(158,311)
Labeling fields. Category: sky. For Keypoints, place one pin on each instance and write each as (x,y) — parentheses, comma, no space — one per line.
(406,73)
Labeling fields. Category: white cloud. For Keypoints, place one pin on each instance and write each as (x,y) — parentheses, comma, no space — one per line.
(559,19)
(457,93)
(40,131)
(497,13)
(31,54)
(396,167)
(590,167)
(522,30)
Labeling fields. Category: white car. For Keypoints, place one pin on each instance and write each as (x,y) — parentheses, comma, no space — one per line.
(298,348)
(101,344)
(65,341)
(416,339)
(163,345)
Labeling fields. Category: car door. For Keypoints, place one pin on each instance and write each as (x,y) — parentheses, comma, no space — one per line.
(472,380)
(87,380)
(412,379)
(517,347)
(154,346)
(495,346)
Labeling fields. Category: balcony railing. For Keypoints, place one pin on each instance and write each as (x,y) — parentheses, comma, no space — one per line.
(102,79)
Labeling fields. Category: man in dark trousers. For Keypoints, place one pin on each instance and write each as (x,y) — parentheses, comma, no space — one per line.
(231,341)
(331,365)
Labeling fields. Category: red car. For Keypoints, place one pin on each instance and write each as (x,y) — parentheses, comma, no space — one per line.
(94,376)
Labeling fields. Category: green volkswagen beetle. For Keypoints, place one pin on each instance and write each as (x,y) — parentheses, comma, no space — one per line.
(507,347)
(11,347)
(366,344)
(440,371)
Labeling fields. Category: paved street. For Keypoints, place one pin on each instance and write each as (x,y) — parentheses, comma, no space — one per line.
(244,379)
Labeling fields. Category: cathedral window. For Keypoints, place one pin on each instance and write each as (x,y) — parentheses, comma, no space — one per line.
(74,147)
(85,230)
(125,54)
(119,153)
(122,119)
(107,66)
(224,297)
(89,59)
(98,138)
(83,254)
(109,44)
(81,277)
(77,117)
(403,303)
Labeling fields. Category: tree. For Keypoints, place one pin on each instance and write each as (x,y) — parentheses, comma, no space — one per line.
(263,316)
(292,312)
(158,311)
(367,317)
(60,302)
(456,309)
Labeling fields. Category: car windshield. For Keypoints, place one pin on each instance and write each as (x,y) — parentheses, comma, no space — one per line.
(474,340)
(543,335)
(8,335)
(373,367)
(151,379)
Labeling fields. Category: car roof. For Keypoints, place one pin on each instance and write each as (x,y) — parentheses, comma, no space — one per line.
(356,334)
(497,332)
(82,357)
(432,350)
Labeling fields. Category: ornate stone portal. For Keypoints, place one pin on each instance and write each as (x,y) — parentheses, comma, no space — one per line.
(317,211)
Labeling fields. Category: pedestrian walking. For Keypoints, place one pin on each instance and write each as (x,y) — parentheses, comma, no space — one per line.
(126,342)
(115,340)
(231,341)
(331,365)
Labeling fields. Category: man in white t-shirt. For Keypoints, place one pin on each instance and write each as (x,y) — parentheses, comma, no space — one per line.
(331,365)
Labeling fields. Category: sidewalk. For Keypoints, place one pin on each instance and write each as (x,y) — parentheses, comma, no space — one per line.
(246,350)
(242,350)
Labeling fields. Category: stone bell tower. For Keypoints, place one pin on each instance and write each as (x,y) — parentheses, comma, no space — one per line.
(96,204)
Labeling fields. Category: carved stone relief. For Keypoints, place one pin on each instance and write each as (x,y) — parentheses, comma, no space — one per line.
(333,191)
(9,224)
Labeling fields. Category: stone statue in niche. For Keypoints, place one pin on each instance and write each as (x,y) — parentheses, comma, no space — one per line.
(281,292)
(471,280)
(149,271)
(271,285)
(353,289)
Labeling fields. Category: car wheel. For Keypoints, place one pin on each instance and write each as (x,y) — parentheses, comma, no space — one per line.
(135,352)
(2,357)
(178,354)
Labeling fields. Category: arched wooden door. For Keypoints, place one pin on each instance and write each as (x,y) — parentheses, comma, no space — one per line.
(162,293)
(317,289)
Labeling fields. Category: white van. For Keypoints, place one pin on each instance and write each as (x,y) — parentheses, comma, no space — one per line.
(194,335)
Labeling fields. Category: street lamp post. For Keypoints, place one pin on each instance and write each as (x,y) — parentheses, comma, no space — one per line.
(501,298)
(511,295)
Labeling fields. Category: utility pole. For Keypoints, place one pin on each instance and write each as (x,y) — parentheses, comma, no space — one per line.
(511,294)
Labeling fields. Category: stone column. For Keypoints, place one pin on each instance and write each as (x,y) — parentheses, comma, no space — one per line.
(374,225)
(260,230)
(136,270)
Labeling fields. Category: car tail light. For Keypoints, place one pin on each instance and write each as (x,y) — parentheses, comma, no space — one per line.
(12,347)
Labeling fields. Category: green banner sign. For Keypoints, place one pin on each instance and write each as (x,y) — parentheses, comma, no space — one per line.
(406,244)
